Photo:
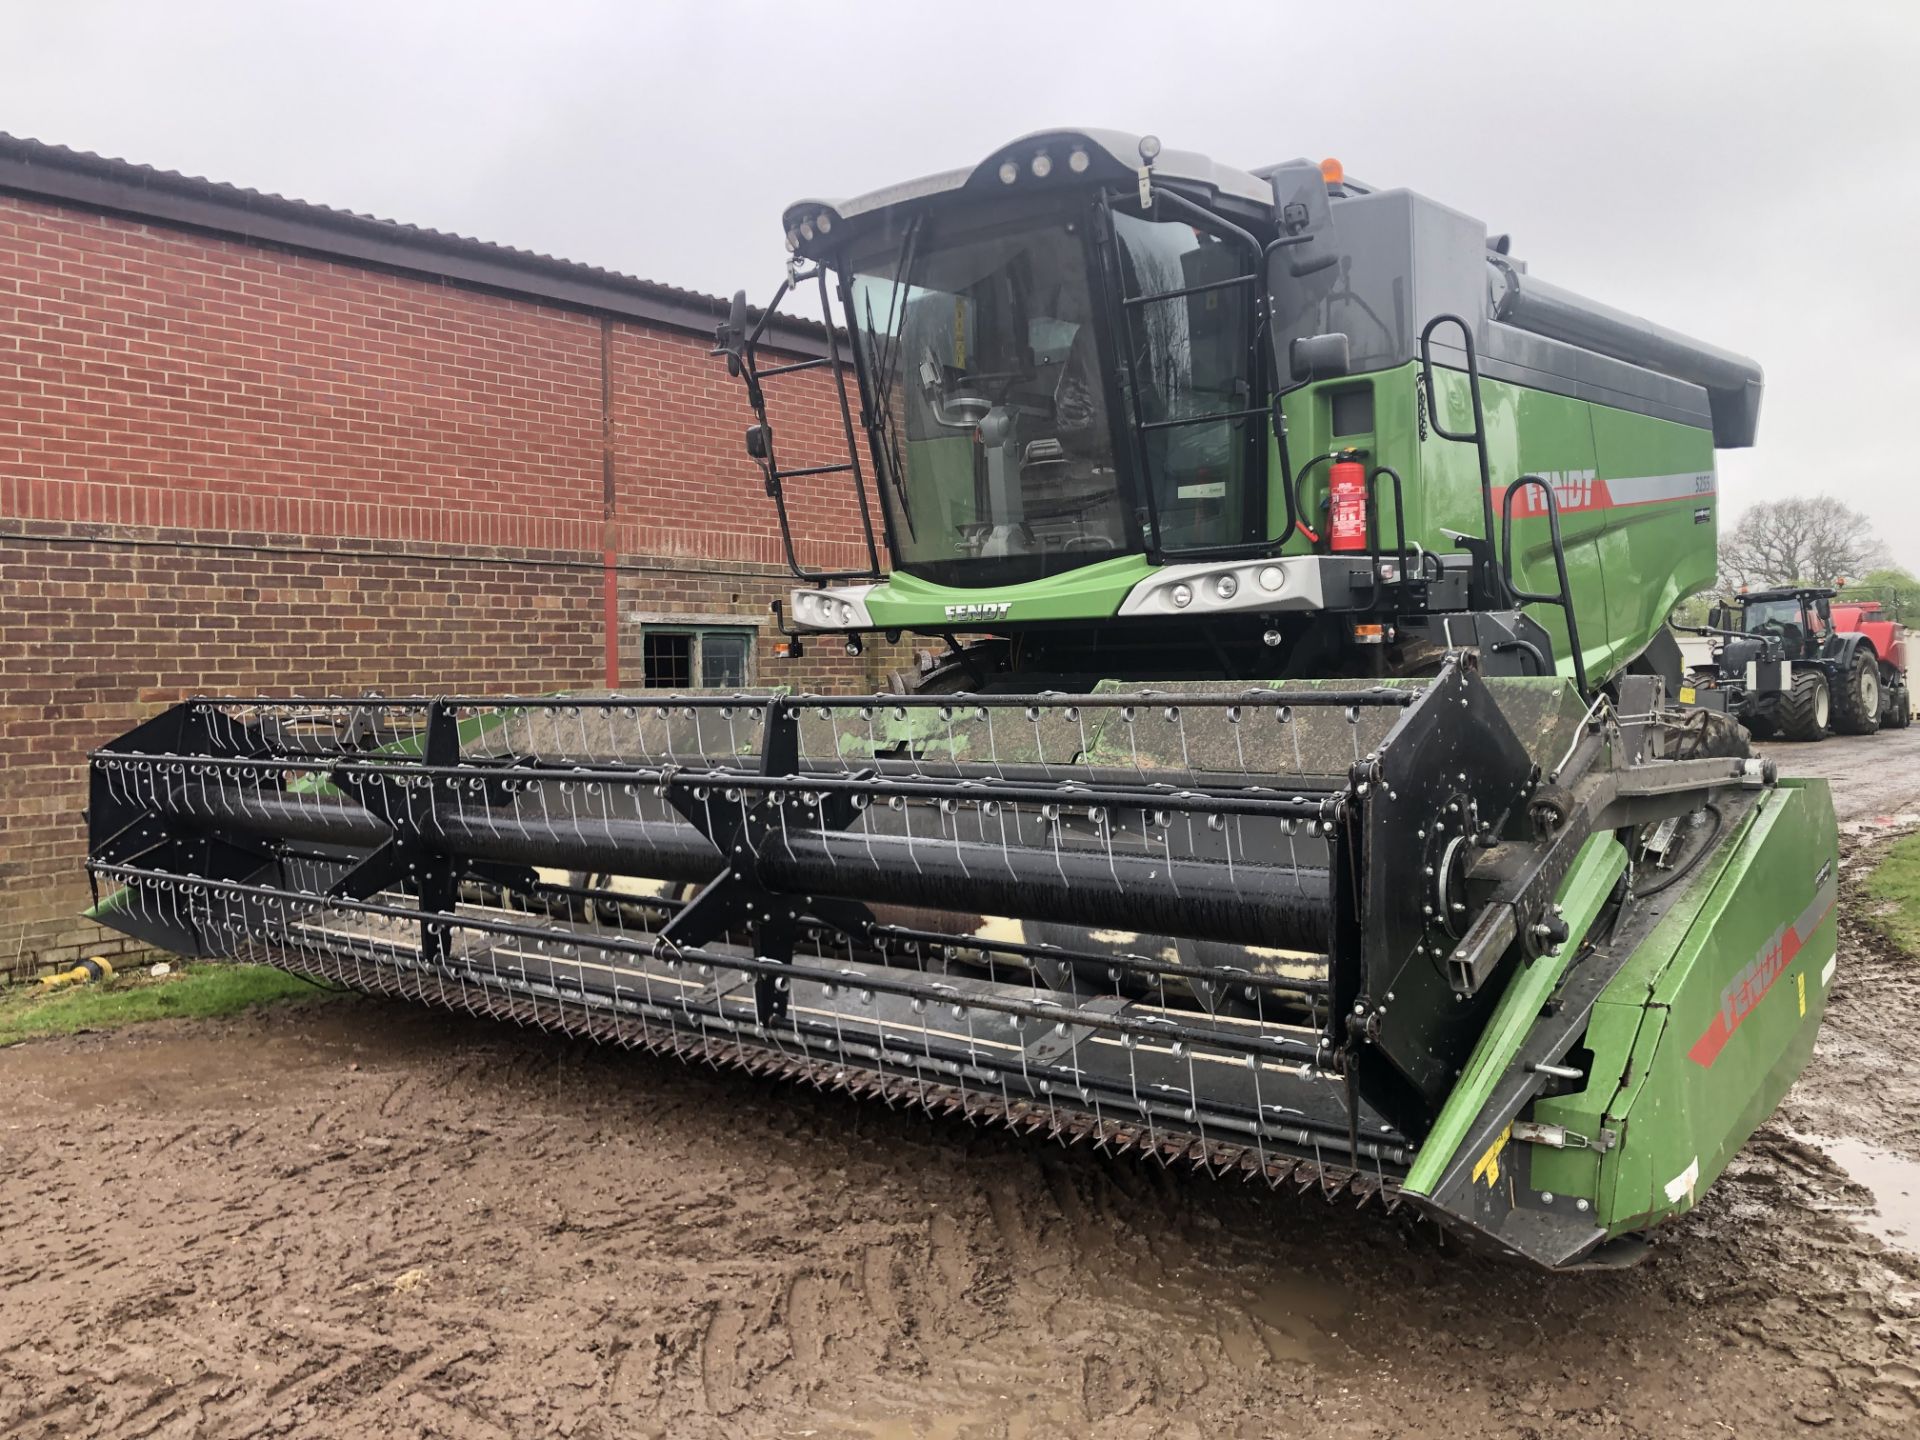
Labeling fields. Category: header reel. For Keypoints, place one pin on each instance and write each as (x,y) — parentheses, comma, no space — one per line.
(1178,918)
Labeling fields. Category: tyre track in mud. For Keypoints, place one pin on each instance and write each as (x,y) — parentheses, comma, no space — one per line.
(369,1219)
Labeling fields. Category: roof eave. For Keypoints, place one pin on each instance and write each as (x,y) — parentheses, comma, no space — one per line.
(33,170)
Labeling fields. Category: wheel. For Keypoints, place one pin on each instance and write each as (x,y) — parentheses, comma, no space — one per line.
(1856,708)
(1899,711)
(1802,713)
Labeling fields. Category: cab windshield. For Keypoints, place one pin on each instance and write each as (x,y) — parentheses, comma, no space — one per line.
(1773,614)
(1006,452)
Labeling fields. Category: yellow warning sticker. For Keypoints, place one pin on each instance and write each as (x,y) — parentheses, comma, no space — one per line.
(1801,981)
(1686,694)
(1488,1168)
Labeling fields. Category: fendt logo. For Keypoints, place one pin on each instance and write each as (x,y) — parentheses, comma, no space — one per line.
(1574,489)
(980,611)
(1743,994)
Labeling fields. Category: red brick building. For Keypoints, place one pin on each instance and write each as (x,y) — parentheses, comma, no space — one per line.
(253,445)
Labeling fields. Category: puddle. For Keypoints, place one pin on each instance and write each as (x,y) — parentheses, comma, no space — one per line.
(1895,1182)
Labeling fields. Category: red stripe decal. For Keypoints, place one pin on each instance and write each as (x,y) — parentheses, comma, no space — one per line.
(1747,989)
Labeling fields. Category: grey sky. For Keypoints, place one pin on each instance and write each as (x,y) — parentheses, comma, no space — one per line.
(1748,173)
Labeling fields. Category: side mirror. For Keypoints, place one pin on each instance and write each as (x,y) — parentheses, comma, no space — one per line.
(1303,214)
(730,338)
(1717,618)
(1319,357)
(759,442)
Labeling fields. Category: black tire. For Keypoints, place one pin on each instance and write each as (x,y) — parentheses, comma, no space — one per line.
(1803,712)
(1856,702)
(1900,712)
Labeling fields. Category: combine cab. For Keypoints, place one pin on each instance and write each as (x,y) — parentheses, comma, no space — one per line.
(1297,792)
(1790,664)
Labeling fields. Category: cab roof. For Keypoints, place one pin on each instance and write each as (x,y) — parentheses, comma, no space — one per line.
(1109,154)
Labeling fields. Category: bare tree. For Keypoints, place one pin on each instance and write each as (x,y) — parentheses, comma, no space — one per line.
(1805,540)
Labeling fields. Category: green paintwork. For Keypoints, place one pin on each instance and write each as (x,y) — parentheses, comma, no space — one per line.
(1675,1120)
(907,602)
(1673,1115)
(1628,565)
(1600,863)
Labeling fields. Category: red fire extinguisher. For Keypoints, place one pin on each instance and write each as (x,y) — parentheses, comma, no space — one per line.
(1347,505)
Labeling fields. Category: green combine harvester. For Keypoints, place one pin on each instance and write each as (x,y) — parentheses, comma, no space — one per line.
(1291,784)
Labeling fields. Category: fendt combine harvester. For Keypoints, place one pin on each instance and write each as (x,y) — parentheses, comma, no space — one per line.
(1296,793)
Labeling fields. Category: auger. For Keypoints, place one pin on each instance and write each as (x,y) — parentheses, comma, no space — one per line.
(1218,826)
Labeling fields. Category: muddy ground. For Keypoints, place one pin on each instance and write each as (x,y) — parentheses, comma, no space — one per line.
(361,1219)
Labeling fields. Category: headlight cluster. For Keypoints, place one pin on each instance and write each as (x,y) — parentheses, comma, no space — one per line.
(825,610)
(1040,165)
(820,224)
(1224,585)
(1290,584)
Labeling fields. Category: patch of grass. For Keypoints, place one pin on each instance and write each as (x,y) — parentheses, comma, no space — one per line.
(28,1012)
(1895,887)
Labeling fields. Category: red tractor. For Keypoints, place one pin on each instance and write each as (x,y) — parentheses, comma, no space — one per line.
(1888,637)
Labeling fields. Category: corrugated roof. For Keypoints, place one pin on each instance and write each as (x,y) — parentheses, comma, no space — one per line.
(42,171)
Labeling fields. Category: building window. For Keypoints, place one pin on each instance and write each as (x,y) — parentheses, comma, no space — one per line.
(683,659)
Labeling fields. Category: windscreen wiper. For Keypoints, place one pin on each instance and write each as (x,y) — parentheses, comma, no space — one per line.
(882,418)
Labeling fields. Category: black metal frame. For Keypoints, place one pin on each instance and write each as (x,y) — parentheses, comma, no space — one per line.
(197,803)
(1495,562)
(742,352)
(1492,596)
(1432,866)
(1121,307)
(1563,598)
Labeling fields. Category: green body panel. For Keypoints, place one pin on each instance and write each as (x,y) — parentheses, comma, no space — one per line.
(1628,563)
(1654,555)
(1693,1042)
(1601,862)
(1710,1020)
(906,602)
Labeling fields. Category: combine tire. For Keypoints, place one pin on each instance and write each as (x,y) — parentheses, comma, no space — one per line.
(1856,707)
(1802,713)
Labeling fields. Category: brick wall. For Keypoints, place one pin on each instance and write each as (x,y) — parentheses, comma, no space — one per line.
(226,468)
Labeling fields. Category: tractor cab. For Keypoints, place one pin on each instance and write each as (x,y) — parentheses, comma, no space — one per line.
(1799,618)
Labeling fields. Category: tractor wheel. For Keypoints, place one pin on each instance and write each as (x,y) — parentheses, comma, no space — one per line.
(1900,711)
(1856,706)
(1802,712)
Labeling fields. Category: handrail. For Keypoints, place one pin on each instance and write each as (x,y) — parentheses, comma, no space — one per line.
(1477,437)
(1564,599)
(742,351)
